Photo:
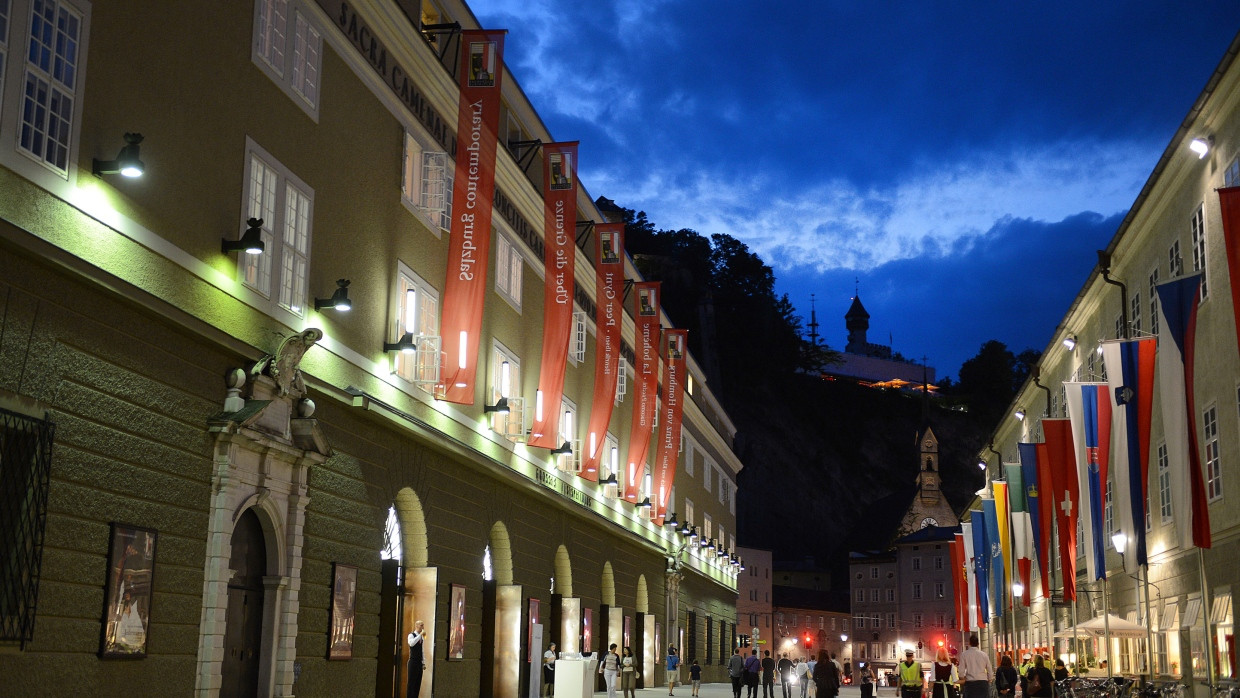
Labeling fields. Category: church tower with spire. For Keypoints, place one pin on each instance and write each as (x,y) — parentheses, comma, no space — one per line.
(857,320)
(929,507)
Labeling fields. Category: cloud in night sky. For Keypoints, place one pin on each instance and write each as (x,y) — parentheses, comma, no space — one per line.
(935,150)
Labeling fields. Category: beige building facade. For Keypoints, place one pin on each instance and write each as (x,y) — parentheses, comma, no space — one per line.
(1173,228)
(211,470)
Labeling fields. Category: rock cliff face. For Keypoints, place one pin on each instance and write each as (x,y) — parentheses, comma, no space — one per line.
(831,466)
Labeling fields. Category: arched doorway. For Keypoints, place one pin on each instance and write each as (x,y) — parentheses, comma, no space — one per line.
(243,632)
(407,595)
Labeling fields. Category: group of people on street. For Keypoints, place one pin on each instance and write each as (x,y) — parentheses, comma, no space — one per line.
(976,673)
(797,675)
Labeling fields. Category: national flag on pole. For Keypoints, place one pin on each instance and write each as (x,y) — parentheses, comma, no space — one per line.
(559,262)
(1229,203)
(473,190)
(1089,410)
(1002,519)
(1130,375)
(1021,528)
(1040,516)
(1061,462)
(609,312)
(981,565)
(960,594)
(995,552)
(970,576)
(1176,352)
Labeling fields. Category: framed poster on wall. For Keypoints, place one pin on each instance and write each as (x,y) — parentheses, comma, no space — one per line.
(456,619)
(587,630)
(344,610)
(534,649)
(127,596)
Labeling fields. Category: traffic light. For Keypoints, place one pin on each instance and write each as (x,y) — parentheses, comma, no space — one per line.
(919,645)
(809,641)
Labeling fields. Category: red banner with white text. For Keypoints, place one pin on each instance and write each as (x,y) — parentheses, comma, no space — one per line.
(609,312)
(559,258)
(645,384)
(675,348)
(473,190)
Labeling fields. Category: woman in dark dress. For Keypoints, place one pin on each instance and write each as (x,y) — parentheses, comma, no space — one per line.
(1006,678)
(1045,683)
(1061,671)
(826,676)
(944,675)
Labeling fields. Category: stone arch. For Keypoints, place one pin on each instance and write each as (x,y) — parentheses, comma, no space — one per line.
(642,604)
(269,519)
(501,554)
(563,572)
(609,585)
(414,548)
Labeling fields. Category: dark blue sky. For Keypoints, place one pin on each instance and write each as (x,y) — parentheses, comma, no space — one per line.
(937,151)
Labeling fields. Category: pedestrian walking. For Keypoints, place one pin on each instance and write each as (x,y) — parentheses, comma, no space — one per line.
(975,671)
(909,676)
(753,667)
(628,674)
(826,676)
(609,667)
(736,672)
(768,675)
(673,669)
(785,675)
(867,681)
(945,676)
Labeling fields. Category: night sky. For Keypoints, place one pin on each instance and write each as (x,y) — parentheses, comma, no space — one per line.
(937,151)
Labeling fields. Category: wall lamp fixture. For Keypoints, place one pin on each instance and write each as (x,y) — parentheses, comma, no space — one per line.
(339,299)
(501,407)
(1069,342)
(251,240)
(405,344)
(1019,413)
(1201,146)
(126,162)
(565,449)
(671,521)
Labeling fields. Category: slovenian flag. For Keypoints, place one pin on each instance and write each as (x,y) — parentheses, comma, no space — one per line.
(1089,410)
(1130,376)
(1178,300)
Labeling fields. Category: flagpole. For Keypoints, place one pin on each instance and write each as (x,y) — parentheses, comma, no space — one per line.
(1208,648)
(1106,625)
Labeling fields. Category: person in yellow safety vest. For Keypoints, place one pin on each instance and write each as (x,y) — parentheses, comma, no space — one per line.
(1023,669)
(910,676)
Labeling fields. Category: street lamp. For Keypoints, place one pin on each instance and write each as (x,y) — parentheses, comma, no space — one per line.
(1018,589)
(1120,541)
(843,637)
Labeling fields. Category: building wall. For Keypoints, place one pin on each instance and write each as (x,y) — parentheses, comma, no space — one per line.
(753,607)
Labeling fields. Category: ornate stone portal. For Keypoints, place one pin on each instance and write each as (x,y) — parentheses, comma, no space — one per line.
(266,439)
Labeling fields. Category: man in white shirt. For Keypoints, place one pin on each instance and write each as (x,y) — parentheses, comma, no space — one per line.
(801,671)
(975,671)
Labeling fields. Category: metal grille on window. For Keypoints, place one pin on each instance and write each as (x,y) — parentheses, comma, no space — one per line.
(578,349)
(436,194)
(25,468)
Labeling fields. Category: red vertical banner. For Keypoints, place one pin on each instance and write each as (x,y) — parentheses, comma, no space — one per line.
(609,312)
(960,594)
(645,384)
(1229,205)
(559,258)
(675,348)
(473,191)
(1061,458)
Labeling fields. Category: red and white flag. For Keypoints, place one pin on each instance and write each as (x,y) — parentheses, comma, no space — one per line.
(1061,460)
(645,384)
(609,313)
(473,192)
(559,260)
(675,349)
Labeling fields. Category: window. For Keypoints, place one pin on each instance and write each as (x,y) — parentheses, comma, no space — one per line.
(1191,619)
(426,184)
(1175,263)
(25,456)
(891,620)
(1221,620)
(891,595)
(568,434)
(940,620)
(688,449)
(48,89)
(1164,484)
(725,493)
(1154,302)
(873,573)
(508,270)
(689,515)
(1109,508)
(917,620)
(706,528)
(861,653)
(707,469)
(859,622)
(916,591)
(938,590)
(622,380)
(1214,472)
(874,622)
(1231,177)
(417,314)
(285,205)
(938,562)
(1198,226)
(294,68)
(577,341)
(874,595)
(506,383)
(861,596)
(1134,315)
(916,564)
(1119,326)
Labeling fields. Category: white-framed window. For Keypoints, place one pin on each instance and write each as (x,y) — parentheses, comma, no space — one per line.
(509,269)
(917,620)
(622,380)
(1119,326)
(285,204)
(916,564)
(708,468)
(577,340)
(1214,468)
(44,101)
(611,466)
(1197,225)
(940,620)
(1175,261)
(417,314)
(916,591)
(288,47)
(426,184)
(874,595)
(1134,315)
(688,449)
(1164,485)
(567,433)
(706,527)
(873,573)
(506,383)
(891,595)
(938,562)
(891,620)
(689,514)
(725,489)
(1231,176)
(861,596)
(1154,302)
(938,590)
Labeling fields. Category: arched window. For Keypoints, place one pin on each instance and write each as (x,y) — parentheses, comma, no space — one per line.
(391,537)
